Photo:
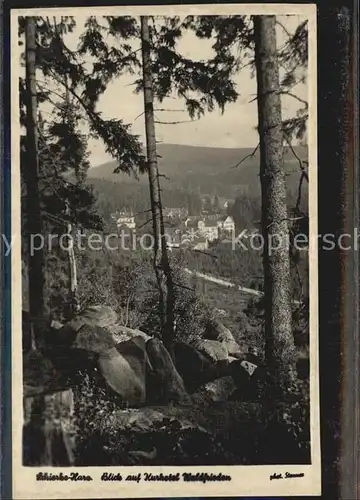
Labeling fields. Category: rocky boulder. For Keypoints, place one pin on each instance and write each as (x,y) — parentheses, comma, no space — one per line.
(122,333)
(216,331)
(103,316)
(164,383)
(93,338)
(217,391)
(212,349)
(124,369)
(93,316)
(246,376)
(89,324)
(194,367)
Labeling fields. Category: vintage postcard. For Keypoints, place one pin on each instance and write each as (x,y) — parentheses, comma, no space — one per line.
(164,252)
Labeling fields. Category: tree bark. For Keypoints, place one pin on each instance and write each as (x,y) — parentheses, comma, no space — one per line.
(160,259)
(71,229)
(37,305)
(73,282)
(276,261)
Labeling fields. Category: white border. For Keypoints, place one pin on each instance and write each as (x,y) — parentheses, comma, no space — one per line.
(246,480)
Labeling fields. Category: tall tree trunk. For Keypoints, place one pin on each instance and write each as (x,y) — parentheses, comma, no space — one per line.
(161,260)
(34,220)
(71,230)
(169,327)
(276,261)
(73,283)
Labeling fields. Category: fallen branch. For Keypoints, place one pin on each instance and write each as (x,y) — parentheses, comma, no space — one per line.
(184,286)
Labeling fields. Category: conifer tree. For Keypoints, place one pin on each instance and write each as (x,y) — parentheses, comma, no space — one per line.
(34,221)
(161,71)
(279,348)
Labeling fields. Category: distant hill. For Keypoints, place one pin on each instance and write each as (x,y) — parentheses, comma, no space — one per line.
(209,170)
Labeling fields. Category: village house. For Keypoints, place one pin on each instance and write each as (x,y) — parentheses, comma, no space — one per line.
(200,243)
(124,220)
(210,230)
(172,238)
(175,213)
(194,222)
(226,225)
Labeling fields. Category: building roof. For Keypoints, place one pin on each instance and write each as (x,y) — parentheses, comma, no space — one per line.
(193,224)
(173,235)
(200,240)
(211,223)
(223,218)
(121,214)
(171,211)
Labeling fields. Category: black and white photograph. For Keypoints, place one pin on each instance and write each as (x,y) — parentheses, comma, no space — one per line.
(164,201)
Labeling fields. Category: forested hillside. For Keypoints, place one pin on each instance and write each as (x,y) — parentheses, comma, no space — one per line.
(210,170)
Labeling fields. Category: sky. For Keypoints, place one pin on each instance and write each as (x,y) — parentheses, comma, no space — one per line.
(236,128)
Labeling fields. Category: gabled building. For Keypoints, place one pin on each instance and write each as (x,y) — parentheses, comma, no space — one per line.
(194,223)
(226,224)
(124,219)
(210,230)
(172,237)
(200,244)
(175,213)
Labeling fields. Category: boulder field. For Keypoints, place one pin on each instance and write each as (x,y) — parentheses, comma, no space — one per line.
(134,366)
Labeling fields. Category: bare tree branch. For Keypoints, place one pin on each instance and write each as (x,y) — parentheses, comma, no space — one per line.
(170,110)
(165,176)
(283,27)
(251,155)
(299,196)
(175,122)
(286,92)
(138,116)
(301,162)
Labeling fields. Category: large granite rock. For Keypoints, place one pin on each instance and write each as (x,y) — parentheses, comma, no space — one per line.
(212,349)
(103,316)
(217,391)
(164,383)
(194,367)
(97,323)
(216,331)
(93,316)
(247,377)
(124,369)
(122,333)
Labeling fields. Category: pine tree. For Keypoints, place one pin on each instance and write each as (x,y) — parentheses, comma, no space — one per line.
(277,284)
(61,147)
(155,201)
(162,71)
(36,263)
